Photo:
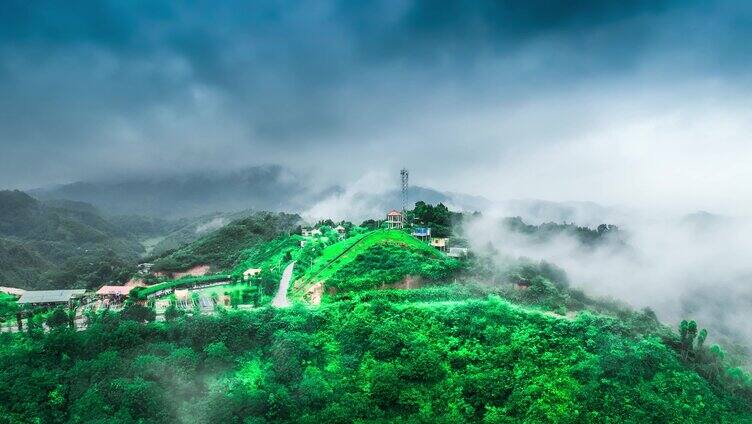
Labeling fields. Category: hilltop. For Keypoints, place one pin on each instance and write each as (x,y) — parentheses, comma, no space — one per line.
(377,258)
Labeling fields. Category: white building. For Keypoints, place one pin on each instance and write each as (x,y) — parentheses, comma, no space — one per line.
(311,232)
(251,272)
(395,219)
(457,252)
(439,243)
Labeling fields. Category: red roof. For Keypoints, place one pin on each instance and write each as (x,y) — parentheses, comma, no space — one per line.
(394,213)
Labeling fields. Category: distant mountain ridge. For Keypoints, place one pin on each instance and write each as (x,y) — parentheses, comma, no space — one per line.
(275,188)
(268,187)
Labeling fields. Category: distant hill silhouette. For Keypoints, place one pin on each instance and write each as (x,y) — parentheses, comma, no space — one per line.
(262,188)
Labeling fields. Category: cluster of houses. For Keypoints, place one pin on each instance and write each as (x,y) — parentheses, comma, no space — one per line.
(50,298)
(315,232)
(396,220)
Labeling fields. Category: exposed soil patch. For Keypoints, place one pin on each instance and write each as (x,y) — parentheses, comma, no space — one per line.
(135,282)
(196,271)
(409,282)
(314,294)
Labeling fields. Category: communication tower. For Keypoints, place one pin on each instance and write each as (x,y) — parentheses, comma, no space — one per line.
(404,176)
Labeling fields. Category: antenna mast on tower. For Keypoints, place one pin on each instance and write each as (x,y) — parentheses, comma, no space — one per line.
(404,176)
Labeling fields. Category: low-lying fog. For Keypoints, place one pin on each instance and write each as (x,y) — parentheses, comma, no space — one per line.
(697,266)
(693,267)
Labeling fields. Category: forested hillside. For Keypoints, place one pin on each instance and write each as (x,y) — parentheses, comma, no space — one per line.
(192,194)
(222,248)
(474,360)
(61,244)
(400,332)
(587,237)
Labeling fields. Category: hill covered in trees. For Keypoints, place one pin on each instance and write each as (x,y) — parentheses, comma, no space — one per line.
(400,333)
(60,244)
(386,358)
(223,247)
(69,244)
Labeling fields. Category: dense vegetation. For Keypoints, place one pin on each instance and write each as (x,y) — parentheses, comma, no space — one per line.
(481,360)
(546,231)
(388,263)
(60,244)
(223,248)
(439,218)
(477,341)
(8,307)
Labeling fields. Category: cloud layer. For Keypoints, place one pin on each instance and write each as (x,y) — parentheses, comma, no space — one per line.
(639,103)
(695,268)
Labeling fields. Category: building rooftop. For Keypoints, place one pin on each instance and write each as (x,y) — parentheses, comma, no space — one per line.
(114,290)
(12,290)
(394,212)
(49,296)
(439,241)
(422,231)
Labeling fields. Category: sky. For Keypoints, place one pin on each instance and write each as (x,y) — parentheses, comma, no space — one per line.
(644,104)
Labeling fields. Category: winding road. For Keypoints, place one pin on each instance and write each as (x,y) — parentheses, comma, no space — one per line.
(280,299)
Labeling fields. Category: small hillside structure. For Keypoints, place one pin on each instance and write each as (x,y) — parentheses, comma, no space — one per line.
(116,293)
(340,231)
(251,272)
(12,291)
(422,233)
(457,252)
(145,268)
(395,219)
(182,294)
(206,304)
(440,243)
(310,232)
(49,297)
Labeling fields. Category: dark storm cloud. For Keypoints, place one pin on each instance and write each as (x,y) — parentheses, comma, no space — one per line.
(94,87)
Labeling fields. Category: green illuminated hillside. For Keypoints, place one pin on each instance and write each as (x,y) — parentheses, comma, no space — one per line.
(400,332)
(342,261)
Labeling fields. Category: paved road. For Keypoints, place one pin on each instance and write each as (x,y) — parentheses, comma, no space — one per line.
(280,299)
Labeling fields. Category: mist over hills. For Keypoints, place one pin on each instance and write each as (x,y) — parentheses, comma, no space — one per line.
(60,244)
(267,187)
(276,188)
(190,194)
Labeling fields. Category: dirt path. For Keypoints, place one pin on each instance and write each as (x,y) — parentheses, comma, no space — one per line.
(280,299)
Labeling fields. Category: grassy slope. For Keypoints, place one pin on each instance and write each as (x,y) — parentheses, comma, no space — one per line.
(340,254)
(266,255)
